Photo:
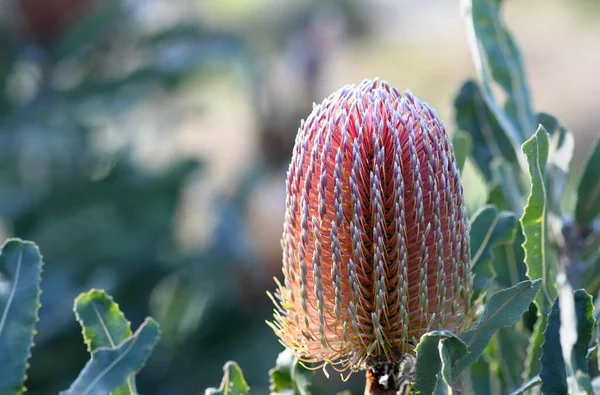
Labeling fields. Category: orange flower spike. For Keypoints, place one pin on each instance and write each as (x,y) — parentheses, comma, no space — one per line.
(376,238)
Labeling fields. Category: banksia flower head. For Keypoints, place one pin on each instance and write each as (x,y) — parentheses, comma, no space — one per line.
(376,239)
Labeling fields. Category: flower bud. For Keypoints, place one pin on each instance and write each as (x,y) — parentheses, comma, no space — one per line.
(376,239)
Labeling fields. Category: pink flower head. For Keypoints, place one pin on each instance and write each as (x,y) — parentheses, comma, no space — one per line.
(376,238)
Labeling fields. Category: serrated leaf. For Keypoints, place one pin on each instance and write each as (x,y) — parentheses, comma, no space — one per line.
(109,368)
(289,377)
(554,370)
(588,192)
(489,140)
(20,278)
(497,58)
(233,382)
(539,258)
(489,228)
(437,353)
(463,144)
(560,153)
(103,325)
(502,309)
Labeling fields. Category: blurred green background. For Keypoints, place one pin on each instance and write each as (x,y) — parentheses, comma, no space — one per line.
(144,144)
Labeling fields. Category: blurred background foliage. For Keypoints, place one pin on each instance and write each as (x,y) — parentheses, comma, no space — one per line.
(144,144)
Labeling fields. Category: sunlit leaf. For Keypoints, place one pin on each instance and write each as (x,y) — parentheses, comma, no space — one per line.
(289,377)
(540,260)
(233,382)
(109,368)
(103,325)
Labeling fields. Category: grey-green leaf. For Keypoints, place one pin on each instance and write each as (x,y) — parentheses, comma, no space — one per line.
(109,368)
(506,189)
(489,140)
(534,350)
(539,258)
(480,376)
(503,308)
(20,278)
(560,153)
(463,144)
(497,58)
(437,353)
(490,227)
(233,382)
(510,352)
(103,325)
(289,377)
(509,264)
(588,192)
(554,372)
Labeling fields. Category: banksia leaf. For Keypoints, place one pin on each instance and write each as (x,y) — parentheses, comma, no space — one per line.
(233,382)
(109,368)
(489,139)
(540,260)
(497,59)
(103,325)
(289,377)
(376,238)
(554,367)
(588,192)
(20,278)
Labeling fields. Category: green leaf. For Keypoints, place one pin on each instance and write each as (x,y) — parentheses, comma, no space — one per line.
(480,376)
(540,260)
(288,376)
(554,370)
(20,278)
(488,138)
(588,192)
(437,352)
(534,382)
(510,352)
(109,368)
(233,382)
(497,58)
(509,264)
(503,308)
(506,190)
(103,325)
(534,350)
(489,228)
(463,144)
(560,152)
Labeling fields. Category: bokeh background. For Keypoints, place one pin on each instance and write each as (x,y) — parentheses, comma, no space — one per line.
(144,145)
